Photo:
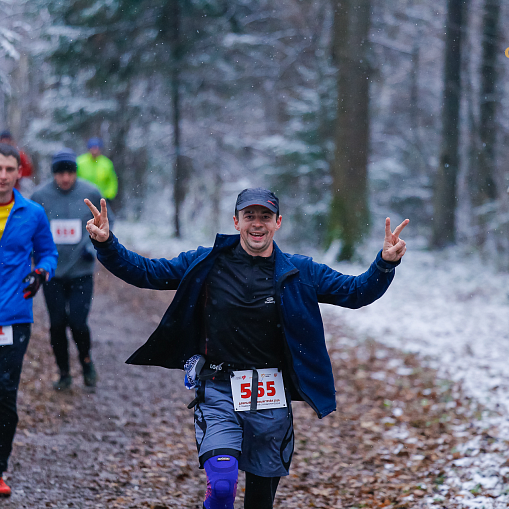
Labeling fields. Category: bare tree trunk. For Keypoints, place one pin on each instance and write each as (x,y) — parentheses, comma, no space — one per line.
(486,186)
(445,195)
(349,214)
(176,49)
(178,181)
(169,25)
(18,105)
(120,154)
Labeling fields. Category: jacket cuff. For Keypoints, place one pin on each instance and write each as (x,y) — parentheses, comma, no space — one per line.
(384,266)
(101,245)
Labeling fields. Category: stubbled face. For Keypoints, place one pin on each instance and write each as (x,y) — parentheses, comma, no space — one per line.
(9,175)
(257,226)
(65,179)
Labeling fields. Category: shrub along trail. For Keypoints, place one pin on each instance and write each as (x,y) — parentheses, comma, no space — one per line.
(130,444)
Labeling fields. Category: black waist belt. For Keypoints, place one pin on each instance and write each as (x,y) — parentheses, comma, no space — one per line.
(213,371)
(220,370)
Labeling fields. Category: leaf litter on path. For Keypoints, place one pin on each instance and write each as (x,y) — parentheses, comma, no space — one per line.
(131,442)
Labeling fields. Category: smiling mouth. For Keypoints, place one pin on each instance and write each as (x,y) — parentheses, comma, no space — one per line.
(257,235)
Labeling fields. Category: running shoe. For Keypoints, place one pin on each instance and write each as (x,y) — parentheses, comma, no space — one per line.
(5,491)
(89,374)
(65,382)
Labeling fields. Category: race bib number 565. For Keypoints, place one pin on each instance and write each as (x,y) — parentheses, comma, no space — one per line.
(271,389)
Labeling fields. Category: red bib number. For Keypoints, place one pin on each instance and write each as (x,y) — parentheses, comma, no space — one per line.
(6,335)
(66,231)
(271,389)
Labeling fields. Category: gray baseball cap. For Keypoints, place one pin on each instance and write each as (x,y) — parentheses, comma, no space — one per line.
(257,196)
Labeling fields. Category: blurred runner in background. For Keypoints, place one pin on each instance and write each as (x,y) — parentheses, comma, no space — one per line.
(96,168)
(69,294)
(24,231)
(25,183)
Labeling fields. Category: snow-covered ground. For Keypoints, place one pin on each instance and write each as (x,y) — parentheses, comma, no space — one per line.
(451,308)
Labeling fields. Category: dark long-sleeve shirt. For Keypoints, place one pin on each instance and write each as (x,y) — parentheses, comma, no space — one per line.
(240,317)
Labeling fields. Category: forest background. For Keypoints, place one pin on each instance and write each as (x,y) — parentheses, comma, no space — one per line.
(349,110)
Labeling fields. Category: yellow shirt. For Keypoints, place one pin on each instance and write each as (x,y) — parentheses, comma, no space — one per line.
(5,210)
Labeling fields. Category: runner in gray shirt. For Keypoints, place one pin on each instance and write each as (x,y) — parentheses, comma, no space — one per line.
(69,294)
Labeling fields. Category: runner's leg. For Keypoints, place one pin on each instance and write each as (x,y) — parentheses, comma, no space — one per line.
(260,491)
(11,361)
(222,475)
(54,293)
(80,298)
(219,442)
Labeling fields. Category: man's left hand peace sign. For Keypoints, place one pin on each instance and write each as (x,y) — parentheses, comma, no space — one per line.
(394,247)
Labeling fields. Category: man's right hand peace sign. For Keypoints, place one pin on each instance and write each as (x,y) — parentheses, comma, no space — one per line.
(98,227)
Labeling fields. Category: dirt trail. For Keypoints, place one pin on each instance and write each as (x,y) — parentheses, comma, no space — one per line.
(131,442)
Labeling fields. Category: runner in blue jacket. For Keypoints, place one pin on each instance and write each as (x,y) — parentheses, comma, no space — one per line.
(24,233)
(245,316)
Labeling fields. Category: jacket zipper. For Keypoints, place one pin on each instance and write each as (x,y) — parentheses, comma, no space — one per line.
(293,376)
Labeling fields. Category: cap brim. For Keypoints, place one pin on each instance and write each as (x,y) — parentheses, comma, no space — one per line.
(249,203)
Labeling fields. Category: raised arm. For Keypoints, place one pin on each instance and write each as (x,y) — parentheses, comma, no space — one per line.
(357,291)
(137,270)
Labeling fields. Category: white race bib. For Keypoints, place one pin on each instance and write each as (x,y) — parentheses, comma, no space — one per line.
(6,335)
(271,389)
(66,231)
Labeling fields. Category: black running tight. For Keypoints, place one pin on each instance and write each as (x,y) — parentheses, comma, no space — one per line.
(260,491)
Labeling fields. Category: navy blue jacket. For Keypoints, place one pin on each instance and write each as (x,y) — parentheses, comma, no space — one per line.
(300,285)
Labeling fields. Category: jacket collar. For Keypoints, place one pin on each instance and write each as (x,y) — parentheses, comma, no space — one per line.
(283,266)
(223,241)
(19,200)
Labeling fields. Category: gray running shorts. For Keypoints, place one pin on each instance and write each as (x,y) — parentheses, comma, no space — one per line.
(263,440)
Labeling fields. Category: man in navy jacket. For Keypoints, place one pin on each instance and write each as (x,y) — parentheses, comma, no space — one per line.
(244,313)
(24,232)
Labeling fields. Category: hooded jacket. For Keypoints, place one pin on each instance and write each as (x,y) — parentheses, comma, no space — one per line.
(27,233)
(100,172)
(300,285)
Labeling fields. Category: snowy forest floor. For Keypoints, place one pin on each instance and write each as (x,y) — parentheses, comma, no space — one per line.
(393,442)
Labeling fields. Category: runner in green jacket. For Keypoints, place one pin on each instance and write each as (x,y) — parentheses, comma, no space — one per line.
(98,169)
